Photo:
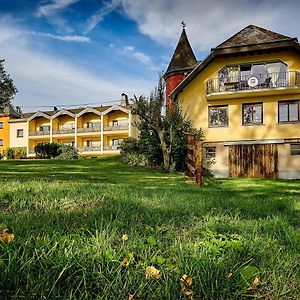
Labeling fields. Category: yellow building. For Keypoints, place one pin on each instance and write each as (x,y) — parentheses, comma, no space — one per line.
(245,97)
(93,131)
(6,114)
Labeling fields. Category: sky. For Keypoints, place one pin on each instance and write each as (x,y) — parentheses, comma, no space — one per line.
(88,52)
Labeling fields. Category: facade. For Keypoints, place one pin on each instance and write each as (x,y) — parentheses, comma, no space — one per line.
(93,131)
(245,97)
(6,114)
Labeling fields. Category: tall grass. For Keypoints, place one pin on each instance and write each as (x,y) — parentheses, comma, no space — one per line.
(69,217)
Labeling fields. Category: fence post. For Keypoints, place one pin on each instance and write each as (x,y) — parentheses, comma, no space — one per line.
(191,155)
(198,162)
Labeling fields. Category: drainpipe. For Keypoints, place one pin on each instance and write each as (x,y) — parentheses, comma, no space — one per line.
(101,144)
(76,132)
(27,150)
(51,130)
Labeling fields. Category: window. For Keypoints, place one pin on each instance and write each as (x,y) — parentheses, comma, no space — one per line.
(20,133)
(117,142)
(218,116)
(45,128)
(210,152)
(252,113)
(115,123)
(1,142)
(295,149)
(288,111)
(1,125)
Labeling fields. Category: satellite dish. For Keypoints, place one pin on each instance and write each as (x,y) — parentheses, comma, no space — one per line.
(252,81)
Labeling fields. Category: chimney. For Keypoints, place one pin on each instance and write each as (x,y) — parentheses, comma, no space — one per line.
(124,99)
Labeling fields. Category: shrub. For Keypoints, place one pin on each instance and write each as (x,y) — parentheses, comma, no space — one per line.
(15,153)
(130,145)
(66,152)
(46,150)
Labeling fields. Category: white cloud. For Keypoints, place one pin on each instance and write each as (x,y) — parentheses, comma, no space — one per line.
(46,80)
(66,38)
(52,10)
(53,7)
(96,18)
(209,22)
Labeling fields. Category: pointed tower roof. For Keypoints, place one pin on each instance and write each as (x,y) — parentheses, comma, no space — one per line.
(252,35)
(183,57)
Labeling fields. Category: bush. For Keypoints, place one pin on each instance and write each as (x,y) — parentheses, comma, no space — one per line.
(66,152)
(130,145)
(15,153)
(46,150)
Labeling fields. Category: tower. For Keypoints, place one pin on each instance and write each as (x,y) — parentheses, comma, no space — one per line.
(182,63)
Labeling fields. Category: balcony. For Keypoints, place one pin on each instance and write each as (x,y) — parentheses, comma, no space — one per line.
(267,81)
(116,127)
(89,149)
(90,129)
(39,133)
(111,148)
(64,131)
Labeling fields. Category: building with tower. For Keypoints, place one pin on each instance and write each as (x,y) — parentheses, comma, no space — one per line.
(245,97)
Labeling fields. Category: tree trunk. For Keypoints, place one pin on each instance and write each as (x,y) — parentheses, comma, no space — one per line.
(166,152)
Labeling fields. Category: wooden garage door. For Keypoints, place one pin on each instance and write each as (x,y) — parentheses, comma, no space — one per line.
(259,161)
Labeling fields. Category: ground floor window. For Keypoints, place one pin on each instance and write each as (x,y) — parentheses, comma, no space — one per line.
(210,152)
(295,149)
(1,142)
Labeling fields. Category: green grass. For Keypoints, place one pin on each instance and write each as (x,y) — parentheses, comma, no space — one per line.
(68,218)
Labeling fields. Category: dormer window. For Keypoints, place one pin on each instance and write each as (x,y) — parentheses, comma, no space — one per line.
(253,75)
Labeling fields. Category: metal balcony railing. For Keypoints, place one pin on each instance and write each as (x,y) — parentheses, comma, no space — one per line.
(63,131)
(90,148)
(116,127)
(34,133)
(109,148)
(90,129)
(253,82)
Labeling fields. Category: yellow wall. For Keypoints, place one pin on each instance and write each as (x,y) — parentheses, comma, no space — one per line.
(61,121)
(4,133)
(18,141)
(115,115)
(195,103)
(34,125)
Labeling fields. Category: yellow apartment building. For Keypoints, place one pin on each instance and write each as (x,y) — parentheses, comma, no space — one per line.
(93,131)
(245,97)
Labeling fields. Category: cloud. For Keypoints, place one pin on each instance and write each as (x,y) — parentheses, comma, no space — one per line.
(52,12)
(44,79)
(140,56)
(65,38)
(209,22)
(96,18)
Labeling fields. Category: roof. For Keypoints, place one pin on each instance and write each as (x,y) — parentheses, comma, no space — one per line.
(252,35)
(183,57)
(9,110)
(251,39)
(50,113)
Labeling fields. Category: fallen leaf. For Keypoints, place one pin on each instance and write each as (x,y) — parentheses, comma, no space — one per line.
(152,273)
(186,279)
(187,292)
(130,297)
(6,236)
(125,237)
(256,281)
(125,262)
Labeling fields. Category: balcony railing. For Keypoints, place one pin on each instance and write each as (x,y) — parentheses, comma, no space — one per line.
(253,82)
(90,129)
(63,131)
(116,127)
(34,133)
(110,148)
(90,148)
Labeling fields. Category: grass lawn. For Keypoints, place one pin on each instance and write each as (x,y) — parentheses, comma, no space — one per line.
(236,239)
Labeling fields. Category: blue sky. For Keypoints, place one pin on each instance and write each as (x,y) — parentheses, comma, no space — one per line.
(65,52)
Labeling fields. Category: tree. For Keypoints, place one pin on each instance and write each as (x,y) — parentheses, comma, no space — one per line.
(164,134)
(7,87)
